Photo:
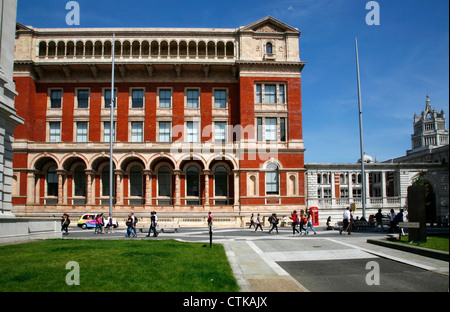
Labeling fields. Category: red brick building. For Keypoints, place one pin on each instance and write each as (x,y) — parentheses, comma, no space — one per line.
(206,120)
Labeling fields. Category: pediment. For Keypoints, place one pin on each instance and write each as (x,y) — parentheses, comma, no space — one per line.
(270,25)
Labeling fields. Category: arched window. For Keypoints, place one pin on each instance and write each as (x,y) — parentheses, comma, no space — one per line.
(136,181)
(79,180)
(192,181)
(272,179)
(105,181)
(269,48)
(164,188)
(220,181)
(52,181)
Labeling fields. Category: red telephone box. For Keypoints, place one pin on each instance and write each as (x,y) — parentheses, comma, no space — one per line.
(314,215)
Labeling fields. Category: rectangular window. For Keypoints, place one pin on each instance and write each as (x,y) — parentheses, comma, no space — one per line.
(220,98)
(259,132)
(282,94)
(137,98)
(283,129)
(82,131)
(107,131)
(137,131)
(192,131)
(55,98)
(108,98)
(165,98)
(220,131)
(270,94)
(55,132)
(192,97)
(272,182)
(164,131)
(258,93)
(271,129)
(83,98)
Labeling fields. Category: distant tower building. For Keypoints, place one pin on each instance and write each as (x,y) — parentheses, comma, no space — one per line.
(430,139)
(429,129)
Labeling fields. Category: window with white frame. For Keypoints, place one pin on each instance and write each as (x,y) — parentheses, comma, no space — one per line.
(164,131)
(192,131)
(272,179)
(137,98)
(107,97)
(83,98)
(192,98)
(271,129)
(107,131)
(220,132)
(55,132)
(270,93)
(137,131)
(82,131)
(220,98)
(55,98)
(165,98)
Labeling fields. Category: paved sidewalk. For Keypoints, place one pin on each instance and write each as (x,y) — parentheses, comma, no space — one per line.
(263,262)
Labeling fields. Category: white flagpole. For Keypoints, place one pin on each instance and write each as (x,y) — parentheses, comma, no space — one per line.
(363,191)
(111,129)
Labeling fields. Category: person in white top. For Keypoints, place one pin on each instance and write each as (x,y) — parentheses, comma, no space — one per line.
(346,221)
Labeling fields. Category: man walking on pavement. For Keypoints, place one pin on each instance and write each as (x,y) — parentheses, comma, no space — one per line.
(346,221)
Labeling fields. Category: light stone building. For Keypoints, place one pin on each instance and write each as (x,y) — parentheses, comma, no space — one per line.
(13,229)
(333,187)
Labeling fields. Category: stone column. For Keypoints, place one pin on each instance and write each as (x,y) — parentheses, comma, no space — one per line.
(119,186)
(90,177)
(236,189)
(177,187)
(61,181)
(148,187)
(383,188)
(206,172)
(31,188)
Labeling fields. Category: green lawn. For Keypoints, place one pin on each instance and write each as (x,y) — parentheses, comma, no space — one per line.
(438,242)
(116,266)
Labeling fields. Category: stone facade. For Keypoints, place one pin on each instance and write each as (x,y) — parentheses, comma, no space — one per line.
(333,187)
(206,120)
(8,116)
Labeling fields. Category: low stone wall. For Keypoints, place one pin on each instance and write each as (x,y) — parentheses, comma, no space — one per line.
(14,230)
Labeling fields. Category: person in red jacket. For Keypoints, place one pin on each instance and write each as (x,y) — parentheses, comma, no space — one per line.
(295,221)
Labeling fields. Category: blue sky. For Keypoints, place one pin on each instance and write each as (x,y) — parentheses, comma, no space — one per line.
(402,60)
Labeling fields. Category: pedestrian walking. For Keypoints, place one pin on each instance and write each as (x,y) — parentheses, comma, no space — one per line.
(110,224)
(309,224)
(274,221)
(379,221)
(99,224)
(295,221)
(135,220)
(258,224)
(391,221)
(130,226)
(65,221)
(252,222)
(302,221)
(399,218)
(152,225)
(346,221)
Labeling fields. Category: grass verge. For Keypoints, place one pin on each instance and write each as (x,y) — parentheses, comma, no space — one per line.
(437,242)
(116,266)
